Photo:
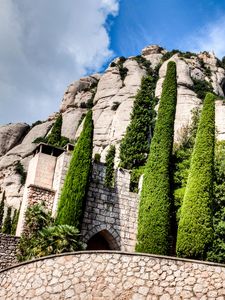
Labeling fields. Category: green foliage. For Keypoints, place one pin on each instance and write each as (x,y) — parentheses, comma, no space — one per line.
(20,170)
(169,54)
(187,54)
(134,178)
(40,139)
(135,144)
(55,134)
(97,157)
(122,70)
(217,251)
(15,221)
(182,159)
(221,63)
(207,72)
(154,208)
(201,88)
(41,238)
(72,200)
(7,225)
(143,62)
(195,226)
(36,123)
(109,174)
(81,119)
(2,204)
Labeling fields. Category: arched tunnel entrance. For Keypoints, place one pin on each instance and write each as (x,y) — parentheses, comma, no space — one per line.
(102,240)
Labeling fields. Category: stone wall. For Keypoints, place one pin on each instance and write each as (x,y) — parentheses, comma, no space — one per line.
(8,245)
(111,212)
(37,194)
(111,275)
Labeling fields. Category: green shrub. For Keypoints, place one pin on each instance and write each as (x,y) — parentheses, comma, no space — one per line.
(134,178)
(201,88)
(42,238)
(49,241)
(40,139)
(20,170)
(195,226)
(109,174)
(216,252)
(154,207)
(143,62)
(97,157)
(182,159)
(7,225)
(169,54)
(72,200)
(15,221)
(55,135)
(134,147)
(2,204)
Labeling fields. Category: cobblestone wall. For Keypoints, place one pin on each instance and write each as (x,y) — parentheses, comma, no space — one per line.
(108,276)
(111,211)
(37,194)
(8,245)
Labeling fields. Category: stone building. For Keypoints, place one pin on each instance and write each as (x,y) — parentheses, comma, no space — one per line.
(110,215)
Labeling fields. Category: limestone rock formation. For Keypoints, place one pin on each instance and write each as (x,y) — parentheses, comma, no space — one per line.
(112,96)
(11,135)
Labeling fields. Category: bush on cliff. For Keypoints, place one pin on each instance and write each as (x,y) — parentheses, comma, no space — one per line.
(195,231)
(72,200)
(135,144)
(154,208)
(7,225)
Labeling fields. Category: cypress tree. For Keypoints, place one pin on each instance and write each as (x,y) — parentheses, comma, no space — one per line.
(135,144)
(55,135)
(2,209)
(109,176)
(15,221)
(154,208)
(7,225)
(195,231)
(71,203)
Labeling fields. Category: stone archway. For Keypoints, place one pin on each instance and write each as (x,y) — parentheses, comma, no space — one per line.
(102,240)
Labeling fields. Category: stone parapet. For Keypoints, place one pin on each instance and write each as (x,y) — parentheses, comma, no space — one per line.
(107,275)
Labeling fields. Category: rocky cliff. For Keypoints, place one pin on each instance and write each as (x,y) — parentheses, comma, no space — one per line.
(111,95)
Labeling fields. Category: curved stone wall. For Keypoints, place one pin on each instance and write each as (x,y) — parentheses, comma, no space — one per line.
(113,275)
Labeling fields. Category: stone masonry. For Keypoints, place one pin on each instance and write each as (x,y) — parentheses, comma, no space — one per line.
(38,194)
(8,245)
(112,211)
(113,275)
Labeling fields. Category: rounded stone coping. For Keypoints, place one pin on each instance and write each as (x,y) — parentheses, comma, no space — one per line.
(161,257)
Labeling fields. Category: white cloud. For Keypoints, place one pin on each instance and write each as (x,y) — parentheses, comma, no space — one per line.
(210,38)
(45,45)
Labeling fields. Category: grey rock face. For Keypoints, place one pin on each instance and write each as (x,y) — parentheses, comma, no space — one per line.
(11,135)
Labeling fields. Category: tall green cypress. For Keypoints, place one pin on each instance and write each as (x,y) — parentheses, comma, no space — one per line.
(7,225)
(109,176)
(2,204)
(72,200)
(135,144)
(154,208)
(195,231)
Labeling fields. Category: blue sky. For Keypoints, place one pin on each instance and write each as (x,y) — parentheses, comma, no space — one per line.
(48,44)
(170,24)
